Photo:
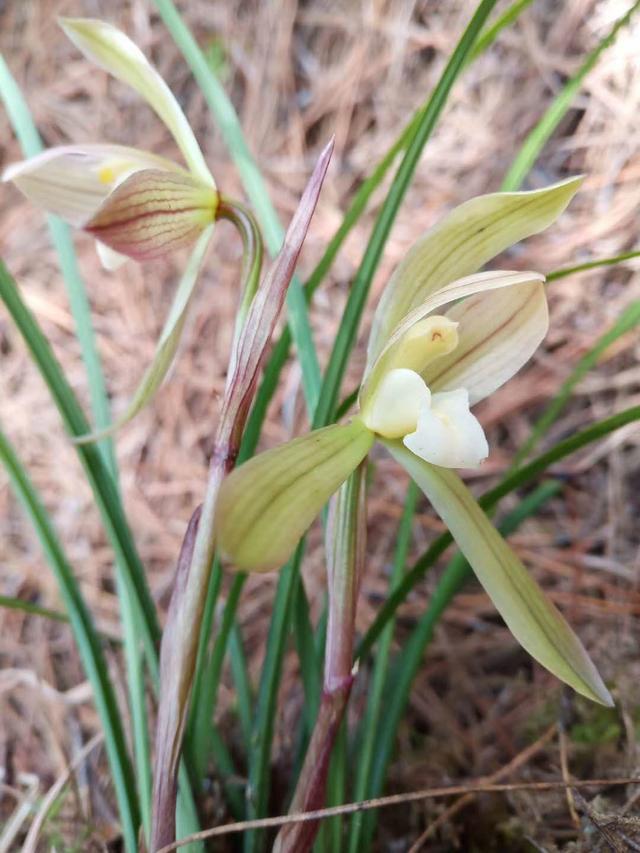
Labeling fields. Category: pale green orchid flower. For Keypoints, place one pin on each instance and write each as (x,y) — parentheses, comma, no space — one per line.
(135,203)
(444,337)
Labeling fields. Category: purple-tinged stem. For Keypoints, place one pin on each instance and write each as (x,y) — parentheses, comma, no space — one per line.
(346,541)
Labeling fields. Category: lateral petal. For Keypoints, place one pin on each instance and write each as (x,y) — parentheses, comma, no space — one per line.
(72,181)
(113,51)
(498,332)
(266,505)
(153,213)
(482,282)
(461,243)
(533,620)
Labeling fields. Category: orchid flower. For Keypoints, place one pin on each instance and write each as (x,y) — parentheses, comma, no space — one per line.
(444,337)
(135,203)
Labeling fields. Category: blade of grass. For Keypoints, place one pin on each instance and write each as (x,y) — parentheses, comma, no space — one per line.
(88,645)
(359,292)
(226,118)
(13,603)
(29,138)
(489,499)
(368,728)
(627,321)
(592,265)
(490,34)
(408,662)
(536,140)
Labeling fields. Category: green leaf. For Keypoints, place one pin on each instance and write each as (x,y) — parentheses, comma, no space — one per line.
(167,344)
(534,143)
(88,644)
(532,619)
(267,504)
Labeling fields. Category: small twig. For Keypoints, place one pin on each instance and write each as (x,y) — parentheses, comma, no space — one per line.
(516,762)
(392,800)
(54,792)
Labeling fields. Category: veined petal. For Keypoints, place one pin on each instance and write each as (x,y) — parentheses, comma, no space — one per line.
(482,282)
(72,181)
(532,619)
(153,213)
(113,51)
(266,505)
(167,344)
(447,434)
(460,244)
(498,332)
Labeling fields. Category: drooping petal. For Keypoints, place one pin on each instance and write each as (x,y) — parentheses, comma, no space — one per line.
(394,409)
(153,213)
(266,505)
(167,344)
(113,51)
(498,332)
(462,243)
(72,181)
(532,619)
(447,433)
(482,282)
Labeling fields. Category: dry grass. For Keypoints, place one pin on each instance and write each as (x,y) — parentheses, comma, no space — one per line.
(298,73)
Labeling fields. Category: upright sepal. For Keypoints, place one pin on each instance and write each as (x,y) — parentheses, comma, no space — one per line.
(532,619)
(113,51)
(266,505)
(460,244)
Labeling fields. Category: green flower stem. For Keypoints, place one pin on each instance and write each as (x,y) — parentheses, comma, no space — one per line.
(596,263)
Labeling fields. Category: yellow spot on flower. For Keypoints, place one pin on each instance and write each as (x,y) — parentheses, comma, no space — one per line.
(106,175)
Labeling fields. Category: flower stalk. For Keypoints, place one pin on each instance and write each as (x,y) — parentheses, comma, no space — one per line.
(345,547)
(180,639)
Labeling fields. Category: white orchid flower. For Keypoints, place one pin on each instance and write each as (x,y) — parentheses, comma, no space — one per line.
(135,203)
(444,337)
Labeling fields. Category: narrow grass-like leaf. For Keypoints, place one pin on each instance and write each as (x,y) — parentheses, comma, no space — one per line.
(347,332)
(627,321)
(99,477)
(489,35)
(13,603)
(535,142)
(407,664)
(530,616)
(225,115)
(592,265)
(371,721)
(132,618)
(88,644)
(509,484)
(167,344)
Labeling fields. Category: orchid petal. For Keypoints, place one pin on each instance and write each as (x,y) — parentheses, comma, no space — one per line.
(462,243)
(113,51)
(153,213)
(394,409)
(167,344)
(72,181)
(266,505)
(532,619)
(498,332)
(482,282)
(447,434)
